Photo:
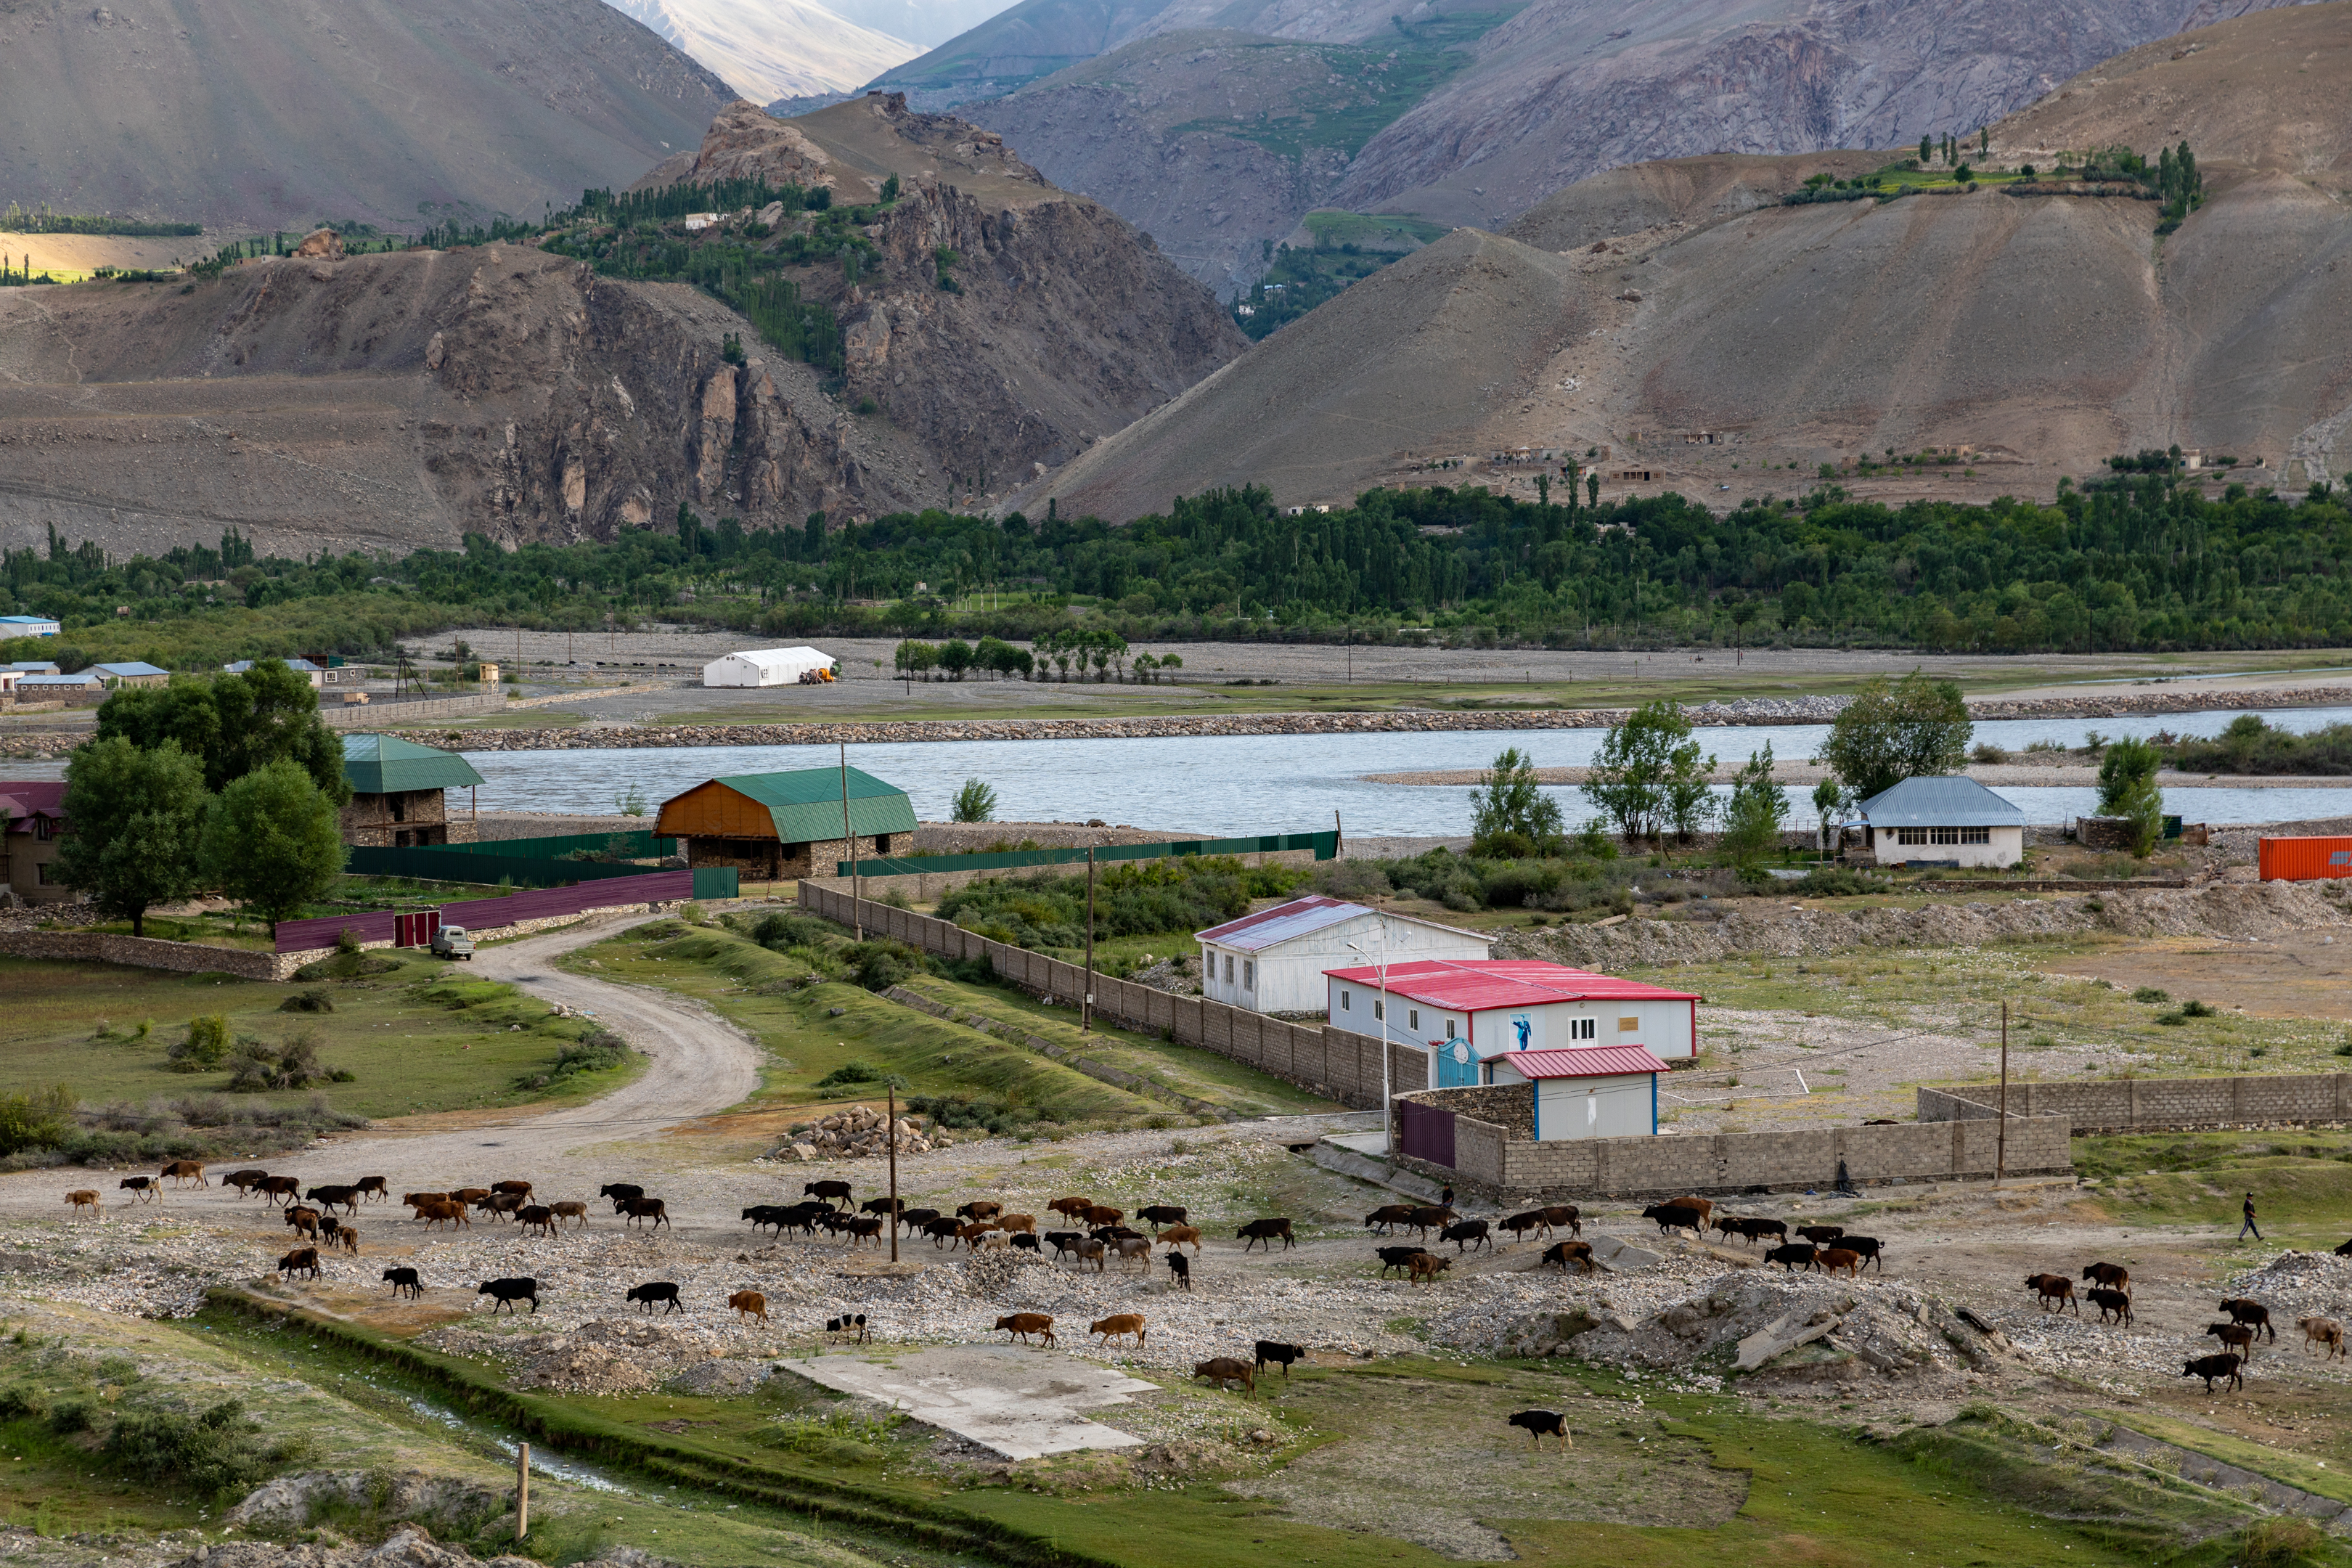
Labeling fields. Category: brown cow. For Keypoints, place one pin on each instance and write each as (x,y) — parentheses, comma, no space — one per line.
(1222,1369)
(521,1187)
(415,1200)
(1705,1207)
(2324,1331)
(750,1304)
(2238,1337)
(1564,1253)
(242,1181)
(1558,1214)
(1021,1325)
(1425,1267)
(1118,1326)
(86,1198)
(536,1216)
(469,1194)
(1180,1235)
(2050,1288)
(572,1210)
(1840,1257)
(279,1189)
(301,1260)
(498,1204)
(969,1235)
(1071,1207)
(979,1209)
(349,1239)
(1011,1221)
(183,1172)
(305,1220)
(447,1211)
(1100,1214)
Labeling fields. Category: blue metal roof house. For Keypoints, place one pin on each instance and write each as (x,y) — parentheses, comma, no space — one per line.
(1942,821)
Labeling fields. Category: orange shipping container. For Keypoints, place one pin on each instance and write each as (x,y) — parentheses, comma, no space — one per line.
(2304,859)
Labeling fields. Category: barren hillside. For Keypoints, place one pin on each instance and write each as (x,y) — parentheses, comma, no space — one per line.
(774,49)
(276,113)
(1702,339)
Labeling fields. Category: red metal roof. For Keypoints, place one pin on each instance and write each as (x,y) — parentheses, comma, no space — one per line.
(1581,1061)
(23,801)
(1478,985)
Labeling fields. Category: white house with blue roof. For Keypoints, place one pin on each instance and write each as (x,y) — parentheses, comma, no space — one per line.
(1941,821)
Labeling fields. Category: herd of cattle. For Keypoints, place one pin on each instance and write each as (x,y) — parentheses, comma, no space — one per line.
(2109,1289)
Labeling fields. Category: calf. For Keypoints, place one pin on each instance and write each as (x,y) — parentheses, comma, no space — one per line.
(653,1209)
(2114,1276)
(939,1230)
(2251,1313)
(1518,1224)
(828,1191)
(1264,1230)
(2324,1331)
(2111,1304)
(536,1216)
(279,1189)
(1116,1233)
(981,1209)
(1137,1248)
(1820,1235)
(1027,1221)
(1164,1213)
(762,1215)
(344,1198)
(497,1204)
(330,1231)
(506,1292)
(915,1219)
(304,1220)
(969,1235)
(1424,1267)
(1224,1369)
(1071,1207)
(1181,1235)
(886,1206)
(373,1189)
(1868,1246)
(1673,1216)
(86,1198)
(1792,1255)
(181,1172)
(1758,1229)
(1061,1241)
(854,1325)
(572,1209)
(865,1228)
(1118,1326)
(1426,1217)
(1180,1269)
(143,1189)
(1279,1354)
(659,1291)
(1727,1225)
(450,1211)
(1840,1260)
(1540,1424)
(1397,1257)
(1388,1216)
(619,1192)
(2210,1367)
(405,1280)
(1558,1214)
(348,1238)
(1088,1249)
(1463,1232)
(2053,1288)
(301,1260)
(2236,1336)
(1563,1253)
(2345,1251)
(1021,1325)
(749,1304)
(1025,1241)
(243,1181)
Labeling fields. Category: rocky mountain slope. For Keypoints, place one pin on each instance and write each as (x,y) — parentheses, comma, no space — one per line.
(260,114)
(778,48)
(396,400)
(1701,339)
(1471,112)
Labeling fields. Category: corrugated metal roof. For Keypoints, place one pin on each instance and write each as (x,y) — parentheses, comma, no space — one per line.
(1940,802)
(1477,985)
(1582,1061)
(805,803)
(83,678)
(135,667)
(1300,917)
(380,764)
(23,802)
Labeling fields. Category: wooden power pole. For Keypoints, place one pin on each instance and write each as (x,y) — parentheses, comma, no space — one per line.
(1086,1002)
(2001,1138)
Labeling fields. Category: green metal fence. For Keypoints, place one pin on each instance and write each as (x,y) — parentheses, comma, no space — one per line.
(635,845)
(1326,846)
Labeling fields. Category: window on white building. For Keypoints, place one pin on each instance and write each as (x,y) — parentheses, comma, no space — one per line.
(1343,1001)
(1412,1019)
(1911,836)
(1582,1029)
(1976,835)
(1229,969)
(1944,836)
(1379,1010)
(1249,974)
(1449,1028)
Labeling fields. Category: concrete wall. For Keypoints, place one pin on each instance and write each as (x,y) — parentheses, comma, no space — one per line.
(384,710)
(1489,1160)
(2155,1104)
(1334,1063)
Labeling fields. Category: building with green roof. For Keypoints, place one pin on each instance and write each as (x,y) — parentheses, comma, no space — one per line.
(771,826)
(399,793)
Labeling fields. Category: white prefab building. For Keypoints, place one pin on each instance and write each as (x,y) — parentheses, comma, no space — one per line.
(1608,1091)
(765,666)
(1940,822)
(1274,961)
(1462,1014)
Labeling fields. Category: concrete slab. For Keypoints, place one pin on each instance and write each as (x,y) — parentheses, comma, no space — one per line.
(1374,1142)
(1021,1402)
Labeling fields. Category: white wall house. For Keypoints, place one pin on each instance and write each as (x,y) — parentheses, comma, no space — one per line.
(1609,1092)
(1940,822)
(28,627)
(1463,1012)
(765,666)
(1274,961)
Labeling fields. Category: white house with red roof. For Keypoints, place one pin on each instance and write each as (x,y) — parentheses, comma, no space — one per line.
(1466,1012)
(1274,961)
(1596,1092)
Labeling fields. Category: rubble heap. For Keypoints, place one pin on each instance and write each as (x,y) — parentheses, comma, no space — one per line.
(856,1132)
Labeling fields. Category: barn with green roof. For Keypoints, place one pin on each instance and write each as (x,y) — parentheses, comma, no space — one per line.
(400,794)
(771,827)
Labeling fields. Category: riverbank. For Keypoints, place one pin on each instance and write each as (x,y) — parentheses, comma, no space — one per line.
(2013,775)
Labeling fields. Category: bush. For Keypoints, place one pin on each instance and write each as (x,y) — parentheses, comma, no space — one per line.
(850,1072)
(39,1119)
(312,1000)
(595,1052)
(882,963)
(959,1112)
(1836,883)
(347,941)
(295,1064)
(1136,898)
(2197,1010)
(2150,993)
(205,1045)
(68,1416)
(779,931)
(214,1454)
(1985,751)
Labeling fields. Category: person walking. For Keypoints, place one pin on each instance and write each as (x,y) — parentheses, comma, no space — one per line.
(2250,1224)
(1446,1198)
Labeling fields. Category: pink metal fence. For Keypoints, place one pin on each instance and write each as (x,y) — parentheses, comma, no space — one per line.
(488,914)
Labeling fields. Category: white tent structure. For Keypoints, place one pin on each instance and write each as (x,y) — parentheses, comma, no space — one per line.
(765,666)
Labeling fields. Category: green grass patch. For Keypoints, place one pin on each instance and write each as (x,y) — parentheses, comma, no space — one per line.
(2281,1465)
(2301,1183)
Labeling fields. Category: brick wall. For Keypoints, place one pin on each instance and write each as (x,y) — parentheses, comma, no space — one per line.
(2161,1104)
(1336,1063)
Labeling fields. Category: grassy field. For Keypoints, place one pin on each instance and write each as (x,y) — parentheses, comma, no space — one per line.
(419,1037)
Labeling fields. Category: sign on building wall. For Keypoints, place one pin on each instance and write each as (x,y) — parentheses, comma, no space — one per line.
(1526,1031)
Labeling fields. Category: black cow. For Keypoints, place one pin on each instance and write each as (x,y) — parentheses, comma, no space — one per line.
(1162,1213)
(1280,1354)
(638,1209)
(1518,1224)
(2114,1302)
(405,1279)
(1025,1240)
(915,1219)
(2345,1251)
(1868,1246)
(943,1231)
(506,1292)
(1264,1230)
(1758,1229)
(1061,1241)
(620,1193)
(1675,1217)
(659,1291)
(1541,1423)
(345,1198)
(828,1191)
(1463,1232)
(1796,1252)
(762,1215)
(1180,1269)
(2209,1367)
(1397,1257)
(2252,1314)
(1822,1234)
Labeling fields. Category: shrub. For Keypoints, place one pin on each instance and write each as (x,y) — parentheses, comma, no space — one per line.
(2150,993)
(2197,1010)
(68,1416)
(205,1043)
(295,1064)
(882,963)
(37,1119)
(778,931)
(1985,751)
(347,941)
(312,1000)
(1835,882)
(213,1453)
(959,1112)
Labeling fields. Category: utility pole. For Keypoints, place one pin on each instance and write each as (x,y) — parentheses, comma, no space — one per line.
(522,1491)
(2001,1138)
(893,1128)
(1086,1004)
(857,912)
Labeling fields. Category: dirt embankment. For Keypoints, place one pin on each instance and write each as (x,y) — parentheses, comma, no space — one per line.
(1796,930)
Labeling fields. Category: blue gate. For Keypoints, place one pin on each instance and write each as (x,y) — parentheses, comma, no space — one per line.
(1457,1064)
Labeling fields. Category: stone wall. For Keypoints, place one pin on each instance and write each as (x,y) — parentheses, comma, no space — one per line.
(148,953)
(2157,1104)
(1491,1162)
(1335,1063)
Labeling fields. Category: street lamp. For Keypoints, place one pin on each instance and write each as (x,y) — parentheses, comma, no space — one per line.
(1380,1013)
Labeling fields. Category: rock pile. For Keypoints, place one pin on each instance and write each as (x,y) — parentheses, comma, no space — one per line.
(287,1502)
(1770,709)
(856,1132)
(408,1547)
